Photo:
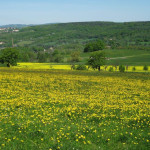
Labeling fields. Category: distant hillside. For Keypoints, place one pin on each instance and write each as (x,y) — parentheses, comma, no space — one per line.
(19,26)
(55,35)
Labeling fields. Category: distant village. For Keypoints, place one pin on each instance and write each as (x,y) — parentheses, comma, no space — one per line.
(9,30)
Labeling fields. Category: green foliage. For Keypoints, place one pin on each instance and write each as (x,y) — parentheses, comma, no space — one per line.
(134,68)
(113,44)
(96,60)
(94,46)
(111,69)
(122,68)
(73,67)
(81,67)
(145,68)
(9,56)
(41,57)
(32,56)
(57,57)
(53,35)
(75,56)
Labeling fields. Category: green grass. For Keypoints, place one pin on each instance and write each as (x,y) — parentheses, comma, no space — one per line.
(125,57)
(124,52)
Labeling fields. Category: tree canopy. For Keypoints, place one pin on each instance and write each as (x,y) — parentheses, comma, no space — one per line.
(94,46)
(9,56)
(96,60)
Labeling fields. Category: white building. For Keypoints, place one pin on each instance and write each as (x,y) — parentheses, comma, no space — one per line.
(2,29)
(1,43)
(15,30)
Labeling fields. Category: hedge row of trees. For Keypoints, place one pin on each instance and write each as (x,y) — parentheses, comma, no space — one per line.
(10,56)
(97,59)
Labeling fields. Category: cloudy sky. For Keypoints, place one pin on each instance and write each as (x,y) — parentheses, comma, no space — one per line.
(52,11)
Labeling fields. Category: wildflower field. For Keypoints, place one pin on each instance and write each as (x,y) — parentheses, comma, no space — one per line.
(63,66)
(70,110)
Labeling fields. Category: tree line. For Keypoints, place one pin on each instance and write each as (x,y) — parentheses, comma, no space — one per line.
(10,56)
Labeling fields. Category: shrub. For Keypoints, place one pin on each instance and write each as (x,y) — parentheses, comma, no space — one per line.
(81,67)
(145,68)
(133,69)
(122,68)
(75,57)
(73,67)
(111,69)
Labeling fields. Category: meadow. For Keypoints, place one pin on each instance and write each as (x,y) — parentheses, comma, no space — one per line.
(70,110)
(63,66)
(130,57)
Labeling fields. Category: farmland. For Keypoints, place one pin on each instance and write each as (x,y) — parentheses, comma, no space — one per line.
(64,109)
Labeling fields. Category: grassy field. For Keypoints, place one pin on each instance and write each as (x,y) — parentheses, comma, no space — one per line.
(43,66)
(70,110)
(123,56)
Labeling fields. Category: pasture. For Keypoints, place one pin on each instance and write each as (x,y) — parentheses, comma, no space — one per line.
(70,110)
(130,57)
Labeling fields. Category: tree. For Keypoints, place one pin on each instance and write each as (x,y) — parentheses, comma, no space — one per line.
(9,56)
(57,56)
(96,60)
(75,56)
(94,46)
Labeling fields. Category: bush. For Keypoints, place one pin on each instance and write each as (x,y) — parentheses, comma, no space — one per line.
(73,67)
(145,68)
(75,57)
(81,67)
(111,69)
(122,68)
(133,69)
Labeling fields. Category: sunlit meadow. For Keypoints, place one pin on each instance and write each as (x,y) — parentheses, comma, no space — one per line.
(70,110)
(58,66)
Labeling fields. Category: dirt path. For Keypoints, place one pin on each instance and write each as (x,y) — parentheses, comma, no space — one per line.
(125,57)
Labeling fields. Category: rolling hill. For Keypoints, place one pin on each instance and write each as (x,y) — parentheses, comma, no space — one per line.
(128,33)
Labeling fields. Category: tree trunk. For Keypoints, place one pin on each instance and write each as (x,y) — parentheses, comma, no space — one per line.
(8,65)
(99,68)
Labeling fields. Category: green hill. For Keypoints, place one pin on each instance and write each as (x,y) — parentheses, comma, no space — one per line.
(129,33)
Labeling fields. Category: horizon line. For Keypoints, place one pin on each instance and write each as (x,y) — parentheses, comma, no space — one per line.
(71,22)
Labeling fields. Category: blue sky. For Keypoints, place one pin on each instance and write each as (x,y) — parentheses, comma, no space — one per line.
(51,11)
